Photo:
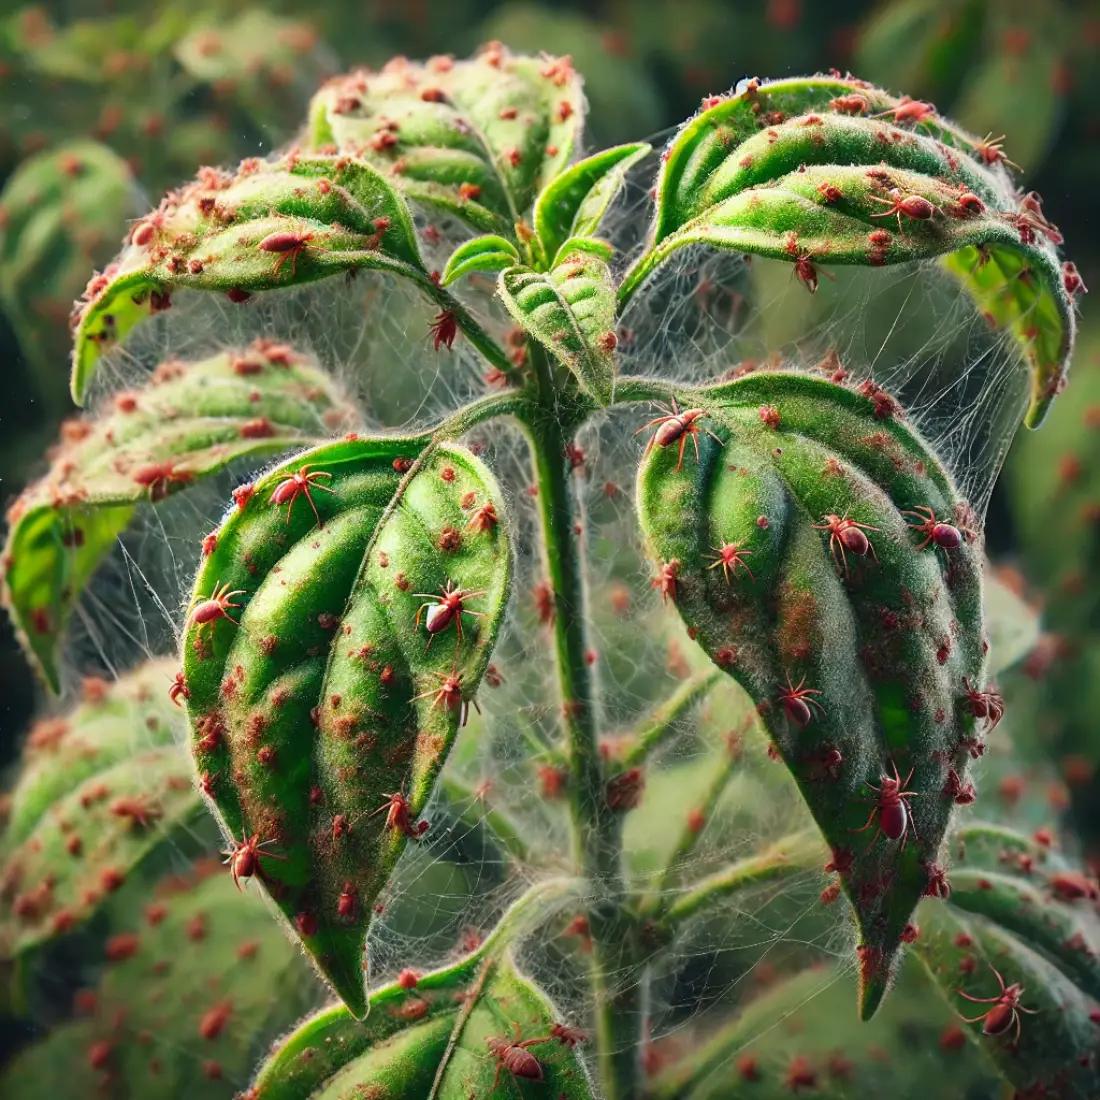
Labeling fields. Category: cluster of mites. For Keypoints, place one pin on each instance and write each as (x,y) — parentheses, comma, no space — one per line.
(675,426)
(1028,221)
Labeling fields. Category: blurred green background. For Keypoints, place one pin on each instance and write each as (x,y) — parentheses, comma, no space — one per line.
(107,104)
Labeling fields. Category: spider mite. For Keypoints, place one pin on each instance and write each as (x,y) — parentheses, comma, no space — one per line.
(895,816)
(289,244)
(935,531)
(217,606)
(991,150)
(729,556)
(299,484)
(985,704)
(443,330)
(845,534)
(245,855)
(445,609)
(449,695)
(909,110)
(512,1055)
(806,271)
(797,702)
(677,426)
(668,576)
(396,809)
(1005,1011)
(179,688)
(912,206)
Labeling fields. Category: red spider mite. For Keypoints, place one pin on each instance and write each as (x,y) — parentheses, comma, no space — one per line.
(396,809)
(289,243)
(985,704)
(1005,1011)
(445,608)
(894,813)
(797,702)
(943,535)
(443,330)
(912,206)
(449,695)
(217,606)
(666,580)
(179,688)
(806,271)
(909,110)
(244,857)
(512,1055)
(991,150)
(299,484)
(729,556)
(676,425)
(846,534)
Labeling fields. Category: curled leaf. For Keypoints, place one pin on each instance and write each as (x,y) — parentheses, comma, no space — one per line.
(271,225)
(801,550)
(570,310)
(488,253)
(1013,911)
(574,203)
(368,579)
(445,1038)
(189,422)
(478,139)
(824,170)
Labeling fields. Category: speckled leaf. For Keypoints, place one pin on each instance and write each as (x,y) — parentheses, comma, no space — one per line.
(570,310)
(799,170)
(83,847)
(331,695)
(191,994)
(488,253)
(884,644)
(478,139)
(428,1041)
(114,720)
(271,225)
(188,422)
(1015,910)
(574,203)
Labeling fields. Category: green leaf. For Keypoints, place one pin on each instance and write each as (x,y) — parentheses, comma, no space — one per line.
(61,212)
(429,1041)
(236,235)
(487,253)
(1002,915)
(570,310)
(91,839)
(191,993)
(796,170)
(887,681)
(574,203)
(61,752)
(331,695)
(189,422)
(478,139)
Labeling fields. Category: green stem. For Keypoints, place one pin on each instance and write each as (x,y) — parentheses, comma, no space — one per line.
(792,854)
(662,723)
(596,829)
(689,837)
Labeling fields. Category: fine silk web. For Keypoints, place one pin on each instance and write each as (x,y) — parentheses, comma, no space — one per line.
(911,329)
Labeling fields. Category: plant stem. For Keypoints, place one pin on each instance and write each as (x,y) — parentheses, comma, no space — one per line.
(662,723)
(596,828)
(792,854)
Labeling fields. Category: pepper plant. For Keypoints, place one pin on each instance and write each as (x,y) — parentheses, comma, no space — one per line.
(347,607)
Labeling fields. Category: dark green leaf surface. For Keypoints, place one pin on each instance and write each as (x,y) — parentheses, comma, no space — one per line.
(331,695)
(884,644)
